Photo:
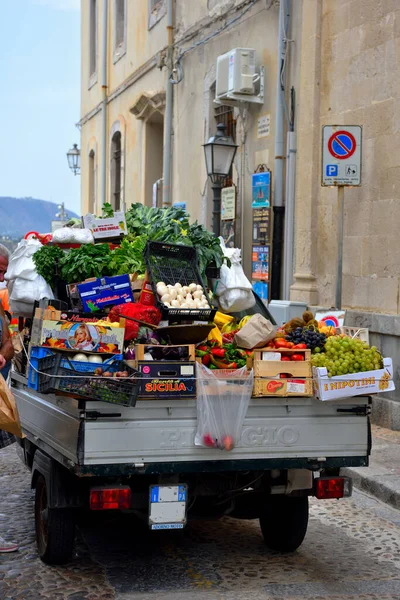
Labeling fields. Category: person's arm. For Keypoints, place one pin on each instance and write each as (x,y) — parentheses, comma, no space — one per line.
(7,349)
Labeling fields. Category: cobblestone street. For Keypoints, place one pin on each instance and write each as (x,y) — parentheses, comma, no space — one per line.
(352,551)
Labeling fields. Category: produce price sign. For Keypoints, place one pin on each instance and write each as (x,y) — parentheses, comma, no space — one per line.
(106,228)
(228,203)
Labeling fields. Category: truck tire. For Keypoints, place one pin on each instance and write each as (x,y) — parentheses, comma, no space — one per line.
(284,522)
(55,528)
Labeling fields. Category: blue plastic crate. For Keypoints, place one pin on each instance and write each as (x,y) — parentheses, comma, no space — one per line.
(44,360)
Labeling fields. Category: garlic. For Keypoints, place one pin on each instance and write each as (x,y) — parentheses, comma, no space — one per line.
(166,298)
(192,287)
(197,295)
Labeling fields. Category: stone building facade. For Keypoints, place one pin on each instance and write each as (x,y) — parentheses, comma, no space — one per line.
(343,62)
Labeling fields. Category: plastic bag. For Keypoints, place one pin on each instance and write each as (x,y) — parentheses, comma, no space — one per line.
(233,289)
(71,235)
(222,401)
(29,290)
(21,263)
(147,314)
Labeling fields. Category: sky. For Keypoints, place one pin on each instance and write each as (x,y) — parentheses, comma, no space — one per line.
(39,99)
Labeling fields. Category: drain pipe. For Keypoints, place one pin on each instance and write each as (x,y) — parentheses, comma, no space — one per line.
(279,209)
(167,195)
(104,88)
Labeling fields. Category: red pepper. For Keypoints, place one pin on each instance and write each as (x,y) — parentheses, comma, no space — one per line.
(218,352)
(203,348)
(290,344)
(206,359)
(300,347)
(219,364)
(285,358)
(298,357)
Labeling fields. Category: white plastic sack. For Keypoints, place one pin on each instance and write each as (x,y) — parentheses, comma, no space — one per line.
(29,290)
(233,289)
(70,235)
(21,263)
(222,401)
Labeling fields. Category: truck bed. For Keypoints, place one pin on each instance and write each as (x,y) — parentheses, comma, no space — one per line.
(158,435)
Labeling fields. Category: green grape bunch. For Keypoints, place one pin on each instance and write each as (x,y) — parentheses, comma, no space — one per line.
(344,355)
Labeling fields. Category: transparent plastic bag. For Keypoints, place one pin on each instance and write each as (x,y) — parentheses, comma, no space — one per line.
(222,401)
(233,289)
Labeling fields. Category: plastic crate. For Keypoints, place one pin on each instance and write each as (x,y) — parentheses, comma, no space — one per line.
(89,367)
(43,360)
(122,391)
(172,263)
(360,333)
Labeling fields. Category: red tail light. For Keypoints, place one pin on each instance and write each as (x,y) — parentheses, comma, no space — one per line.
(332,487)
(110,498)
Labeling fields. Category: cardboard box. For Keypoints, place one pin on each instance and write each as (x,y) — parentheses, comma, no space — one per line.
(107,291)
(354,384)
(161,379)
(103,229)
(82,337)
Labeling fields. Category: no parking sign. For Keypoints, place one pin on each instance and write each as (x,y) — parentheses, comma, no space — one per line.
(341,155)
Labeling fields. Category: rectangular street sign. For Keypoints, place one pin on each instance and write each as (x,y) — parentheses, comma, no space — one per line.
(341,155)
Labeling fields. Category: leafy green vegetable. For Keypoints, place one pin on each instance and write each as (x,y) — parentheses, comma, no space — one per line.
(129,257)
(45,260)
(89,260)
(172,225)
(108,211)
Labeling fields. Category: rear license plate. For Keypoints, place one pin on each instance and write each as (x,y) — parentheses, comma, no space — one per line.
(167,506)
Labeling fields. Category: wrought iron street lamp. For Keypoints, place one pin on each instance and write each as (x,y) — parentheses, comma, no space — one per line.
(74,159)
(219,153)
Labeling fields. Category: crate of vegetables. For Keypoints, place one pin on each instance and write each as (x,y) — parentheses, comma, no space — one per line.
(116,382)
(225,357)
(282,372)
(180,292)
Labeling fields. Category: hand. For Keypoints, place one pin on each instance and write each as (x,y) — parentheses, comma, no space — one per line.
(2,362)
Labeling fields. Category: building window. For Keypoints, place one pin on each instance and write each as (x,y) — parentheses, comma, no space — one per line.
(92,41)
(116,169)
(119,28)
(92,182)
(157,10)
(154,159)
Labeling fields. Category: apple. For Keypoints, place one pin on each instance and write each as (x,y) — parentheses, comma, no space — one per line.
(208,440)
(228,443)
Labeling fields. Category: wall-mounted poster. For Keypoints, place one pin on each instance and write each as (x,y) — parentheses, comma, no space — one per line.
(261,190)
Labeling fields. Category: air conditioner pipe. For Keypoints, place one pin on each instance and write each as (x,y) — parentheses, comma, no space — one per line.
(104,85)
(279,208)
(168,109)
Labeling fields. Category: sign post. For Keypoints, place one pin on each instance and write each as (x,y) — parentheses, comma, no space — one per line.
(341,167)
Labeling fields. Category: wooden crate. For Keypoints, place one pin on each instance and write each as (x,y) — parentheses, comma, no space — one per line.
(266,371)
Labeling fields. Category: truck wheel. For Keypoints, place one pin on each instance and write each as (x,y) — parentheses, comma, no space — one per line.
(55,528)
(284,522)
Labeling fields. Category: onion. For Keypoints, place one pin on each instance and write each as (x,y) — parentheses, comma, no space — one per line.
(80,357)
(184,305)
(189,297)
(167,304)
(185,290)
(178,286)
(193,287)
(175,303)
(197,295)
(173,293)
(161,283)
(95,358)
(197,302)
(166,298)
(162,290)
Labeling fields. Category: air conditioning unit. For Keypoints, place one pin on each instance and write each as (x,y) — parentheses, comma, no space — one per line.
(237,77)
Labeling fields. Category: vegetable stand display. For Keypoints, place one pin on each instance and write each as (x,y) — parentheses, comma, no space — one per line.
(170,257)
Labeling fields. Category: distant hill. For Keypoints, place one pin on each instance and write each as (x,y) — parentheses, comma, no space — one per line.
(20,215)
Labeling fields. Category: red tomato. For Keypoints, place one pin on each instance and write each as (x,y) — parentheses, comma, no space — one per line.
(285,358)
(298,357)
